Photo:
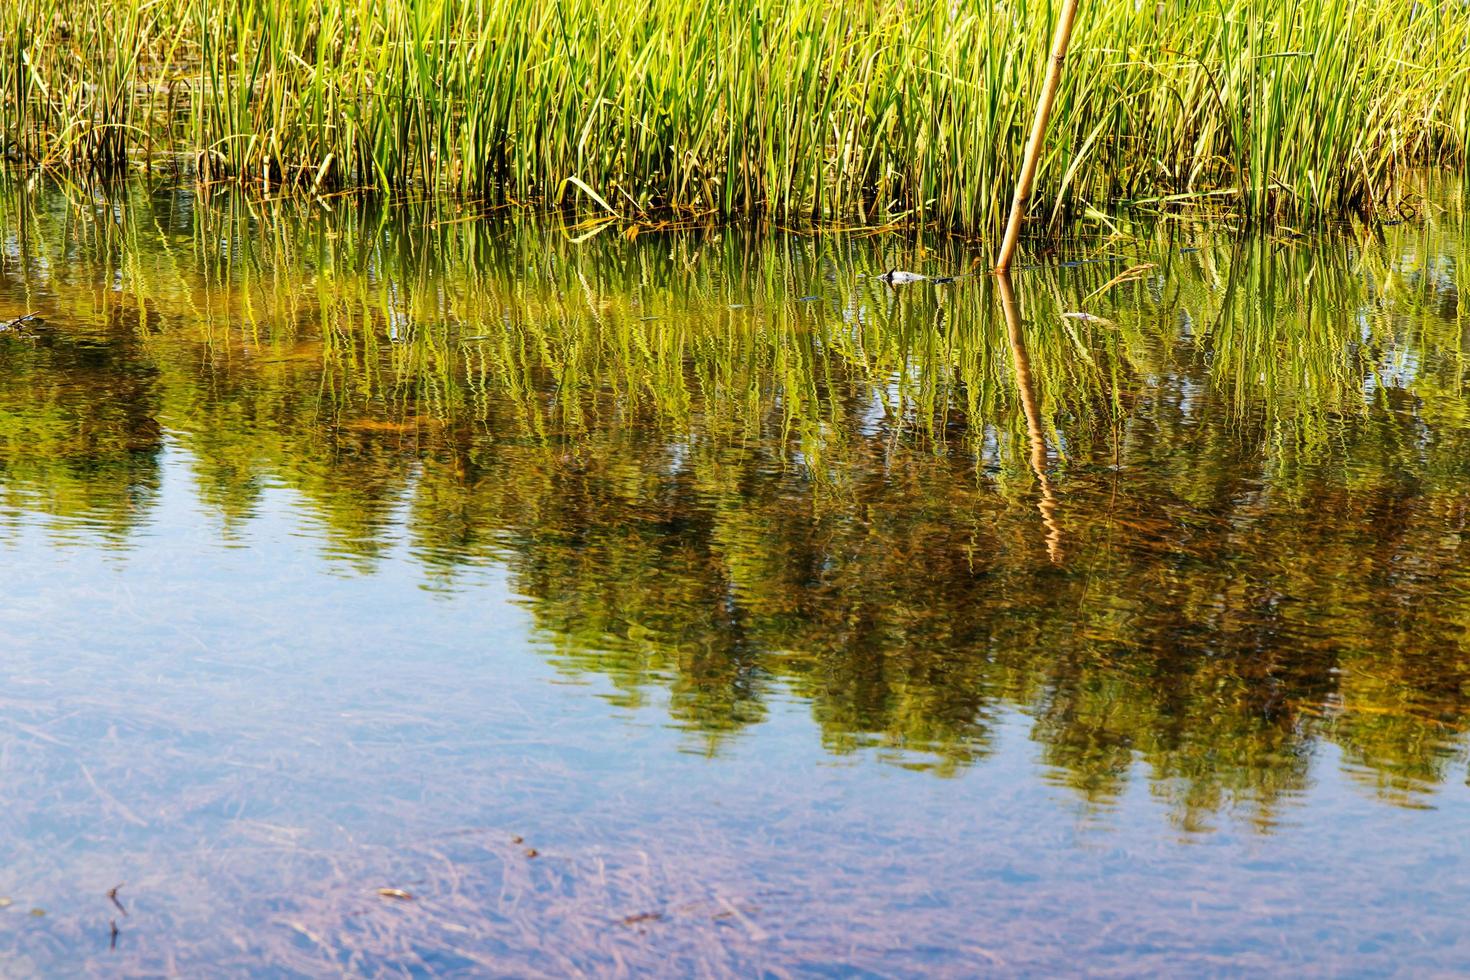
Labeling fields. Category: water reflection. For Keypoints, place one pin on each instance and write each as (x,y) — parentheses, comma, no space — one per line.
(1026,391)
(1191,540)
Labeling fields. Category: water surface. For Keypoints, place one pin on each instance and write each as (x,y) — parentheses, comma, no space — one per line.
(692,603)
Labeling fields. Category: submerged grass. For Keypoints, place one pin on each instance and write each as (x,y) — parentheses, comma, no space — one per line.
(793,110)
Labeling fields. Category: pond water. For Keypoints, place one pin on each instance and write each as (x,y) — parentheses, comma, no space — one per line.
(692,603)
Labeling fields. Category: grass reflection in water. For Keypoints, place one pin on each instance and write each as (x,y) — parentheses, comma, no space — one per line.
(1251,476)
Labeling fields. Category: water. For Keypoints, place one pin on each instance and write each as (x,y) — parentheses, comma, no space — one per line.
(689,603)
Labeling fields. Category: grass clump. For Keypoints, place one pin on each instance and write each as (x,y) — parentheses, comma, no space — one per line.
(792,110)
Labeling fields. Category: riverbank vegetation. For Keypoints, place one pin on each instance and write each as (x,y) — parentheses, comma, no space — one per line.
(867,113)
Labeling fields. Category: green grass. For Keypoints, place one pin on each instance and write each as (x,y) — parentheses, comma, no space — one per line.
(794,110)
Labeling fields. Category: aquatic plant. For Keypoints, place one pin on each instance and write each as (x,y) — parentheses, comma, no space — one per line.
(870,112)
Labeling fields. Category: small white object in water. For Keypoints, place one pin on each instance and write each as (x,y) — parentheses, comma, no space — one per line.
(897,277)
(1087,318)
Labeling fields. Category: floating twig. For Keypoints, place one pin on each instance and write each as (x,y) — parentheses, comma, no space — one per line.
(1086,317)
(18,321)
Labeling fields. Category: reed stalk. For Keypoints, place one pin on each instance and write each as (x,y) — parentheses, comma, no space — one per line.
(1038,136)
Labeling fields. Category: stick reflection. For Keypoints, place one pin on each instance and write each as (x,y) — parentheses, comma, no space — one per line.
(1048,503)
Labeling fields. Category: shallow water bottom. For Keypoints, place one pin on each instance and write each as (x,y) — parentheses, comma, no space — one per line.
(250,796)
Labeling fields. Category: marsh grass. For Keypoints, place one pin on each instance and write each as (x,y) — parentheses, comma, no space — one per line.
(871,113)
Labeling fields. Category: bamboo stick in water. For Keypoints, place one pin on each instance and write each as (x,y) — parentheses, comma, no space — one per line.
(1059,42)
